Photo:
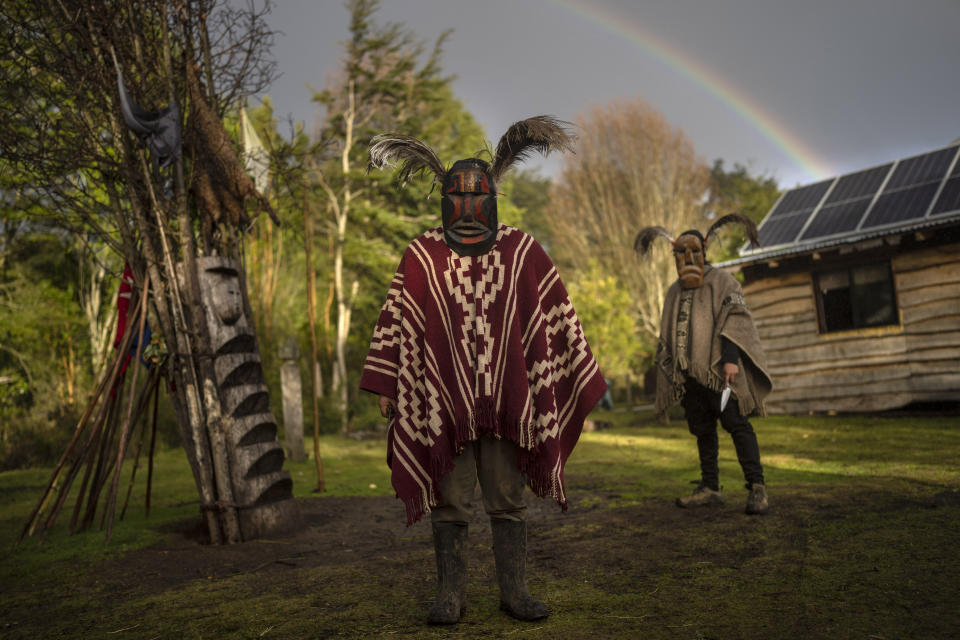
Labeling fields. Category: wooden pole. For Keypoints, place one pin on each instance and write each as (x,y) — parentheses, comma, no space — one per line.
(111,501)
(106,382)
(71,475)
(187,356)
(153,440)
(149,387)
(94,453)
(206,380)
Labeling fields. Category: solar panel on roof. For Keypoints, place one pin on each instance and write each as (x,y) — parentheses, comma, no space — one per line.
(859,184)
(949,199)
(902,205)
(783,229)
(921,169)
(893,193)
(837,219)
(801,198)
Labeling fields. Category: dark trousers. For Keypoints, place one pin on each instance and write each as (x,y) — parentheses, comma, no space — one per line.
(702,409)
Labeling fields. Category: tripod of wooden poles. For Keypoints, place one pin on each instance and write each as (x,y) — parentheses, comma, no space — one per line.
(101,440)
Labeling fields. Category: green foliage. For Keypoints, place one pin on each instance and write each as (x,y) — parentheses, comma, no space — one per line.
(738,191)
(604,308)
(530,192)
(632,169)
(32,438)
(388,82)
(44,351)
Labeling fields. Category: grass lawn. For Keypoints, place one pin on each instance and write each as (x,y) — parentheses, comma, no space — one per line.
(861,542)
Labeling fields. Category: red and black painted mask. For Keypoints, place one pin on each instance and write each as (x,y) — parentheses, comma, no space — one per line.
(468,188)
(469,207)
(688,252)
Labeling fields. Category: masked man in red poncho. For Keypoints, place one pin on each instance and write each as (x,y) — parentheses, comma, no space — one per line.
(709,358)
(481,366)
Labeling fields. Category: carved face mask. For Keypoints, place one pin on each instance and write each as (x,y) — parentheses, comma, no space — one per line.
(688,253)
(469,207)
(225,293)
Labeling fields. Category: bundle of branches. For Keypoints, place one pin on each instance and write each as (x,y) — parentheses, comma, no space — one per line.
(218,181)
(100,443)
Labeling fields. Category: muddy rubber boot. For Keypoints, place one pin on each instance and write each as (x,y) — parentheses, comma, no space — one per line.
(451,604)
(510,553)
(757,503)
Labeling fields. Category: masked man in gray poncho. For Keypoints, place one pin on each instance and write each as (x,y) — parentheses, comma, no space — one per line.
(710,360)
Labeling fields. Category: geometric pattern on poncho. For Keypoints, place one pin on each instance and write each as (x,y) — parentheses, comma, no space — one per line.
(475,345)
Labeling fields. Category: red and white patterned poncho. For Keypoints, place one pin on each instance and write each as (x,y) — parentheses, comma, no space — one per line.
(470,346)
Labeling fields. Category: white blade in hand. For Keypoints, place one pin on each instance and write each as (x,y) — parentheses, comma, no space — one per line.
(724,398)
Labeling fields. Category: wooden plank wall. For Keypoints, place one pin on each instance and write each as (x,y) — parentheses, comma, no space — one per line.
(868,369)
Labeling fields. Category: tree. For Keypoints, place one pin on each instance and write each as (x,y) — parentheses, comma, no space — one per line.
(608,321)
(737,191)
(274,259)
(44,364)
(97,265)
(530,193)
(632,169)
(387,83)
(67,140)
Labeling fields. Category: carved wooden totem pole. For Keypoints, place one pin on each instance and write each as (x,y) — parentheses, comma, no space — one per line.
(262,490)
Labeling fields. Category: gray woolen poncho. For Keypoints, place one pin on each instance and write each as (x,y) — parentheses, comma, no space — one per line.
(718,309)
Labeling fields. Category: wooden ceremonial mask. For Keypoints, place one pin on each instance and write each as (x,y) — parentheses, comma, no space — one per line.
(469,208)
(468,188)
(688,252)
(690,249)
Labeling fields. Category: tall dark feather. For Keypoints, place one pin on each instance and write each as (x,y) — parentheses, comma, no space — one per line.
(646,237)
(748,225)
(414,156)
(542,134)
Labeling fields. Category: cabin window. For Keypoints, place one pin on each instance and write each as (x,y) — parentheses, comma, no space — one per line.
(856,297)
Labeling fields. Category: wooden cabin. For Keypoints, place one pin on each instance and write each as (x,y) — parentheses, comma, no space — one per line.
(855,289)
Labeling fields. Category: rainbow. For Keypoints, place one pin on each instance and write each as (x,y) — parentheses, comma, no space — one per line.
(694,70)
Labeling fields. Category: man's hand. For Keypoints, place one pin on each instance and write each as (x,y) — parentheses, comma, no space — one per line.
(730,372)
(388,406)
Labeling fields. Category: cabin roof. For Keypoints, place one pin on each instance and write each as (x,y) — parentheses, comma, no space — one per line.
(914,193)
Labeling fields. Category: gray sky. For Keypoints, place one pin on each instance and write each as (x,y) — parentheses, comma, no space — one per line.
(798,89)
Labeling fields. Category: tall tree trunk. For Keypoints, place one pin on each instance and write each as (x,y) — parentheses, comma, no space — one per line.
(100,321)
(71,369)
(344,303)
(314,364)
(264,268)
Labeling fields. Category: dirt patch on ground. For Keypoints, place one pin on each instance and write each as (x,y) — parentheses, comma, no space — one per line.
(370,535)
(826,562)
(367,533)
